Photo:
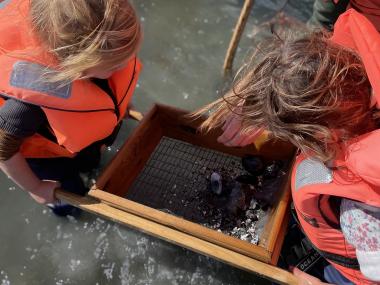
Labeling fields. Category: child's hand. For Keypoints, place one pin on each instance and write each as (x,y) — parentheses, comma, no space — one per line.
(306,279)
(44,193)
(233,135)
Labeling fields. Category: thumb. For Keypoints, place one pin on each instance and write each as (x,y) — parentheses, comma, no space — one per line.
(305,278)
(296,271)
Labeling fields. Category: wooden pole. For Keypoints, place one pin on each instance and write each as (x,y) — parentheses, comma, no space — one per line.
(95,206)
(239,28)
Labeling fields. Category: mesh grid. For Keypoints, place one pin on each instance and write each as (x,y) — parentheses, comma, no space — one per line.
(175,177)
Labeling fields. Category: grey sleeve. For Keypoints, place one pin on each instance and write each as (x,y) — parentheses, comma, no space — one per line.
(20,119)
(326,12)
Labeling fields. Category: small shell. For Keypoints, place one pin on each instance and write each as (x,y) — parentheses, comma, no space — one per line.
(253,204)
(216,183)
(244,237)
(272,170)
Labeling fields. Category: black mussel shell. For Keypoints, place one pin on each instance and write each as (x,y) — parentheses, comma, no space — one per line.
(253,164)
(216,183)
(272,170)
(247,179)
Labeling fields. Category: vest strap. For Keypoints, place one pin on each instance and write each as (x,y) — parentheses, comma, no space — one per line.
(130,82)
(333,224)
(344,261)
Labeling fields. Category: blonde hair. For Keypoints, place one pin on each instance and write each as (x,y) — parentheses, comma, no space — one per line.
(305,91)
(84,34)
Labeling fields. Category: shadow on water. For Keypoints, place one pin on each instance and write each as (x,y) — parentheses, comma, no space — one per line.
(183,51)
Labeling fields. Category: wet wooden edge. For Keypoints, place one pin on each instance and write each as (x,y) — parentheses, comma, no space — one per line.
(282,212)
(230,257)
(183,225)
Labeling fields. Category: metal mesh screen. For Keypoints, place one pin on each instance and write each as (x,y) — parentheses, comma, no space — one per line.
(175,178)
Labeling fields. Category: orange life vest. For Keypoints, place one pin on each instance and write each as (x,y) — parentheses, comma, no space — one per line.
(368,8)
(355,31)
(317,190)
(79,113)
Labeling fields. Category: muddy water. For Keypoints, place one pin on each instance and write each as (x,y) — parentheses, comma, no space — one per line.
(183,51)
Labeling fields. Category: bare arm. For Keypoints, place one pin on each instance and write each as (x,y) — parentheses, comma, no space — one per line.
(307,279)
(18,121)
(19,171)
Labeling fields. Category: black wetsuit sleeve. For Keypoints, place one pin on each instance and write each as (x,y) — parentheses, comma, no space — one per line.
(20,119)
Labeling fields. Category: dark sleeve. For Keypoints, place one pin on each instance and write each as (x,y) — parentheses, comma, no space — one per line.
(17,121)
(20,119)
(326,12)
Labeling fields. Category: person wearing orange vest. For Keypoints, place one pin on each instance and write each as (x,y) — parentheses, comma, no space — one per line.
(320,93)
(326,12)
(68,72)
(356,177)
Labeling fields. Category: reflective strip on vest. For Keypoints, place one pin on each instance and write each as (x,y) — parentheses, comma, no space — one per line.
(4,3)
(311,171)
(30,76)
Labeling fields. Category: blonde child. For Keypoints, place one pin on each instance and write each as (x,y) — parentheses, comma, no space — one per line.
(68,71)
(316,94)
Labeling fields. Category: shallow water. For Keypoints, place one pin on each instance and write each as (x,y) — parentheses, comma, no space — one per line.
(183,51)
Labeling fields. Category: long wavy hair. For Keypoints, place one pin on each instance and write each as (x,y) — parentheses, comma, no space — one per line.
(308,91)
(84,34)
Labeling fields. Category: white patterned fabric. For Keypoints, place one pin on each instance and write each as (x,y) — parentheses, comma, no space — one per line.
(360,225)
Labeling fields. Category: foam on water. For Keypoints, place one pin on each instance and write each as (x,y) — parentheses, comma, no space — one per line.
(4,278)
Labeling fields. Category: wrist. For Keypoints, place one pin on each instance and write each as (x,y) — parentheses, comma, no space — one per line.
(35,186)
